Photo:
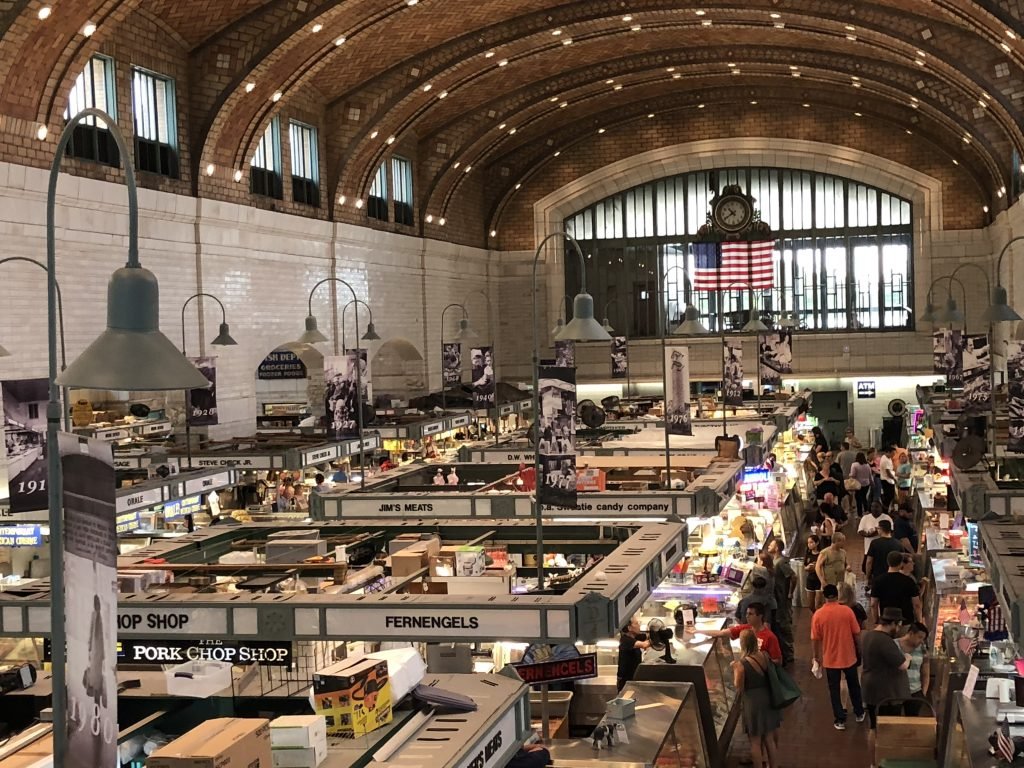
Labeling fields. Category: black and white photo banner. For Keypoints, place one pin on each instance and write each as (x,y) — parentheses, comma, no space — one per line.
(556,436)
(732,380)
(976,368)
(483,377)
(776,357)
(939,351)
(953,358)
(1015,377)
(451,363)
(341,398)
(619,357)
(677,391)
(25,403)
(202,403)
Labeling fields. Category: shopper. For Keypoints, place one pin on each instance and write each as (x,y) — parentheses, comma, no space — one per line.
(887,474)
(321,485)
(765,568)
(904,475)
(812,585)
(846,457)
(903,528)
(825,483)
(854,441)
(761,720)
(877,561)
(885,672)
(868,528)
(895,589)
(860,473)
(762,595)
(832,565)
(820,441)
(766,639)
(632,644)
(785,587)
(834,632)
(914,644)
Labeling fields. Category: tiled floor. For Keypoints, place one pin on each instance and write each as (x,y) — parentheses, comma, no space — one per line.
(808,739)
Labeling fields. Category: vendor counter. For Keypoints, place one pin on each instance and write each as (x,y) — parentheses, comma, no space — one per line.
(976,719)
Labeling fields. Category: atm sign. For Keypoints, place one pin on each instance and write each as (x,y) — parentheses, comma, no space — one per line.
(576,668)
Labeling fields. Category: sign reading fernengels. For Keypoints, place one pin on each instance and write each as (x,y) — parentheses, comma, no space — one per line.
(161,651)
(557,671)
(408,621)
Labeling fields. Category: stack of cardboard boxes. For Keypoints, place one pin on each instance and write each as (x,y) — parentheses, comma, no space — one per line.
(225,742)
(353,696)
(410,553)
(458,561)
(298,741)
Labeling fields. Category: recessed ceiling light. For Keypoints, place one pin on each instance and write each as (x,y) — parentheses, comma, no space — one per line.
(956,162)
(442,221)
(89,29)
(850,28)
(276,96)
(567,41)
(44,13)
(518,185)
(855,84)
(795,74)
(706,23)
(341,199)
(238,175)
(700,12)
(730,64)
(600,130)
(910,132)
(429,218)
(793,66)
(670,69)
(391,139)
(553,99)
(1002,190)
(442,95)
(1005,47)
(512,131)
(676,76)
(700,106)
(489,54)
(650,115)
(249,87)
(617,88)
(921,54)
(852,38)
(780,25)
(456,164)
(339,40)
(635,28)
(775,15)
(494,233)
(913,98)
(735,71)
(805,104)
(984,208)
(967,139)
(987,96)
(503,62)
(411,3)
(373,134)
(914,105)
(502,127)
(627,18)
(427,87)
(210,168)
(982,103)
(609,81)
(41,132)
(359,203)
(753,101)
(557,153)
(858,114)
(919,62)
(556,32)
(1011,34)
(563,105)
(317,27)
(468,169)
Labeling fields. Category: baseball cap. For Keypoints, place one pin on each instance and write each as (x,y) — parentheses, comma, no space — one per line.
(831,591)
(892,615)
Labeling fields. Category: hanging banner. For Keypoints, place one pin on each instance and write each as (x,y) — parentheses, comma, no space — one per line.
(90,572)
(953,358)
(939,351)
(565,354)
(976,367)
(483,377)
(451,363)
(556,436)
(202,403)
(677,395)
(1015,377)
(25,441)
(776,357)
(620,357)
(732,383)
(341,400)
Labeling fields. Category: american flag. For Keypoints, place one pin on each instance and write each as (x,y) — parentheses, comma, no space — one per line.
(1004,744)
(747,264)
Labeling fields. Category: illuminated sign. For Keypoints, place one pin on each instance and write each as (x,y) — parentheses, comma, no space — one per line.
(21,536)
(577,668)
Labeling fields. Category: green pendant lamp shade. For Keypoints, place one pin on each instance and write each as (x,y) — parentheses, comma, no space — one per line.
(754,325)
(4,352)
(607,326)
(312,334)
(224,337)
(1000,311)
(132,354)
(786,320)
(371,333)
(691,325)
(929,315)
(952,315)
(583,326)
(559,325)
(465,333)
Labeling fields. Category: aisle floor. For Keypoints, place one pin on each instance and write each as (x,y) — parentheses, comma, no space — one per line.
(808,739)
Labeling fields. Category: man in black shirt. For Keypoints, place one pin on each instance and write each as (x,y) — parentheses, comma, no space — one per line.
(903,529)
(632,644)
(895,589)
(876,562)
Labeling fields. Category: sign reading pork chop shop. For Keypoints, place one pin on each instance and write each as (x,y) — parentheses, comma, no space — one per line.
(264,652)
(577,668)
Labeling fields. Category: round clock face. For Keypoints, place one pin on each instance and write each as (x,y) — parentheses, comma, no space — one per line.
(732,213)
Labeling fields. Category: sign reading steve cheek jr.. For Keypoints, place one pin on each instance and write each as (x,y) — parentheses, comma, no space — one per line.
(578,668)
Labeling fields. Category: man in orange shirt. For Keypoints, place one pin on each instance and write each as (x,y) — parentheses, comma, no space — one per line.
(835,633)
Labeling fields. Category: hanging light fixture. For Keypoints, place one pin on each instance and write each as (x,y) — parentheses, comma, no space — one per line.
(607,326)
(583,326)
(312,334)
(371,333)
(691,325)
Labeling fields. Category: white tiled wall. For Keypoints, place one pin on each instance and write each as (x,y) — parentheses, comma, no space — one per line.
(261,264)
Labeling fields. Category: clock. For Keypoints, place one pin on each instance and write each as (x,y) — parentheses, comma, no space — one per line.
(732,213)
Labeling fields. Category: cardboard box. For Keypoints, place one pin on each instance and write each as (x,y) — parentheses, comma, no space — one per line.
(354,696)
(299,757)
(407,561)
(469,561)
(226,742)
(298,731)
(442,565)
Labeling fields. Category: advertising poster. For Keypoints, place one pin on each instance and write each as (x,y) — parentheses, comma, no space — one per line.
(451,363)
(202,403)
(953,358)
(90,570)
(939,351)
(776,357)
(620,357)
(976,367)
(732,382)
(341,400)
(556,436)
(1015,377)
(482,359)
(281,364)
(565,354)
(677,396)
(25,442)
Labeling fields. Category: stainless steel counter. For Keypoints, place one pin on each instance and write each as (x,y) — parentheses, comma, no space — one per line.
(975,722)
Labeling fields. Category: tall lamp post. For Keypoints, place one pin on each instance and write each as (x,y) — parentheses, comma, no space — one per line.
(691,326)
(131,354)
(465,333)
(223,340)
(753,325)
(493,341)
(60,316)
(313,335)
(582,327)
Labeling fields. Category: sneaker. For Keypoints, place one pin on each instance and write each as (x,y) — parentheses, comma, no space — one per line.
(860,717)
(839,725)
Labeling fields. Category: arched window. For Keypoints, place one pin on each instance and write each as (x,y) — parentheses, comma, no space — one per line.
(843,255)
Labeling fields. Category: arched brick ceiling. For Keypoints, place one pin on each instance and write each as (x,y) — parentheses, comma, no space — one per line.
(948,55)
